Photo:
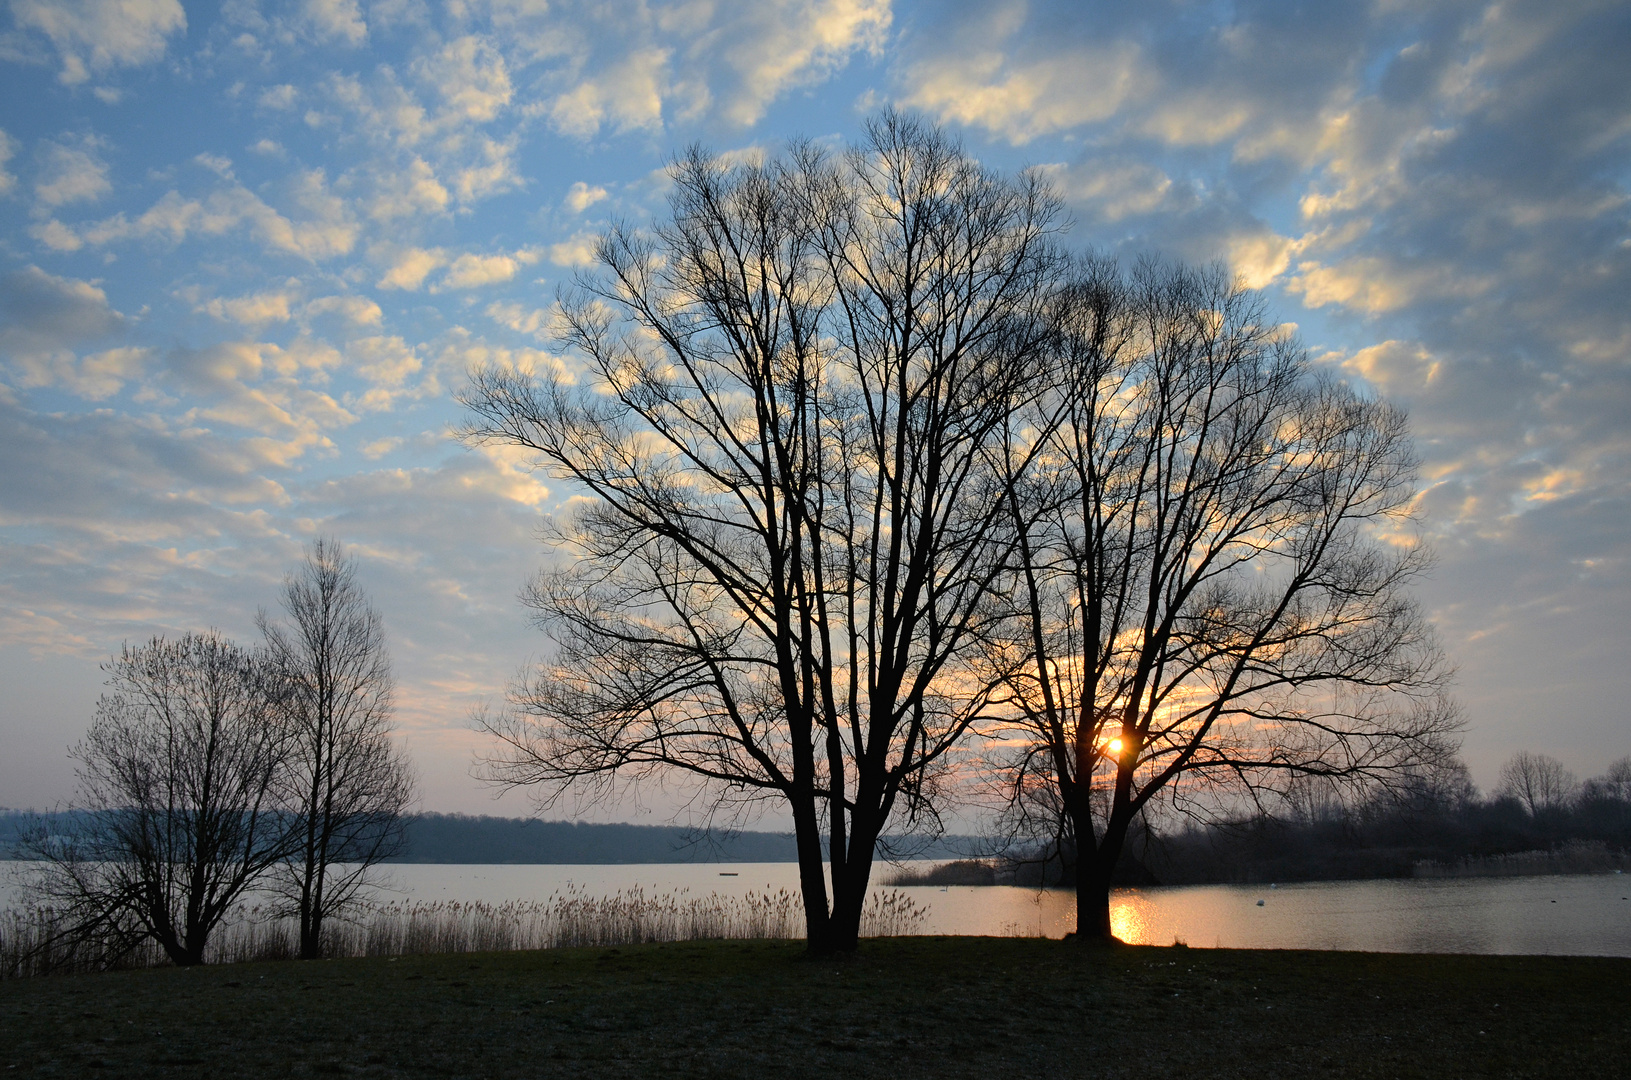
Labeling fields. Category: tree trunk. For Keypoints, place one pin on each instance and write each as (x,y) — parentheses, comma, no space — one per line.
(812,877)
(1095,867)
(311,937)
(1092,901)
(849,899)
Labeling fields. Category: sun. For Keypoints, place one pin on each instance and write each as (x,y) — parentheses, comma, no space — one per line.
(1114,746)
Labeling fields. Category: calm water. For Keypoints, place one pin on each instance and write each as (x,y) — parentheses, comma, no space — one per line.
(1587,915)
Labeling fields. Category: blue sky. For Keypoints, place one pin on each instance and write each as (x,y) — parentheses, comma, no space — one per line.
(248,250)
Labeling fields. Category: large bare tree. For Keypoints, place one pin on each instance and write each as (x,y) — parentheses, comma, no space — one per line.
(176,813)
(1538,781)
(345,782)
(790,434)
(1216,547)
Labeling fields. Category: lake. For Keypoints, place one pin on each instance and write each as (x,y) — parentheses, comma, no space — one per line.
(1583,915)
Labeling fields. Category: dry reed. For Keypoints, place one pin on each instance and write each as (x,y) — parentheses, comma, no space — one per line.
(1575,857)
(33,943)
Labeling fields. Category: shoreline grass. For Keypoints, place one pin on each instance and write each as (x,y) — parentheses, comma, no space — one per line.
(34,942)
(921,1006)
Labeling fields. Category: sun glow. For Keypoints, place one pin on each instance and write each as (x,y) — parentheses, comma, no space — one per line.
(1114,746)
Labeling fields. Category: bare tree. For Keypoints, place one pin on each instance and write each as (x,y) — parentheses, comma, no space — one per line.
(1538,781)
(1215,549)
(1615,783)
(176,808)
(791,435)
(345,782)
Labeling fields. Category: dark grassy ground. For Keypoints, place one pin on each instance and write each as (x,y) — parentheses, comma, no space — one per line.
(956,1007)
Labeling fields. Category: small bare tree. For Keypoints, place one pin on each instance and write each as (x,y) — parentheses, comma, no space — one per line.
(345,782)
(1538,781)
(177,814)
(791,437)
(1215,552)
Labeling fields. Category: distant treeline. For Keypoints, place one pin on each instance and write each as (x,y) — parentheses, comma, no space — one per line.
(1448,831)
(463,838)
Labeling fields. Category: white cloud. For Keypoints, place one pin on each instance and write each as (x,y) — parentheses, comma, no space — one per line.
(627,66)
(97,35)
(69,172)
(357,310)
(94,377)
(1019,85)
(55,309)
(281,96)
(520,318)
(8,150)
(491,173)
(471,78)
(254,310)
(387,362)
(1110,189)
(408,191)
(323,230)
(626,96)
(580,197)
(378,448)
(55,235)
(409,268)
(335,20)
(1374,284)
(579,250)
(775,46)
(473,271)
(1258,257)
(48,318)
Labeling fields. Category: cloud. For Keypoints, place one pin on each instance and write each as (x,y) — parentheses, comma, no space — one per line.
(626,95)
(522,319)
(254,310)
(773,47)
(993,70)
(407,192)
(1109,189)
(471,78)
(580,197)
(378,448)
(356,310)
(69,172)
(56,309)
(281,96)
(578,250)
(624,66)
(334,20)
(387,362)
(322,229)
(48,319)
(471,271)
(409,268)
(94,36)
(493,171)
(8,150)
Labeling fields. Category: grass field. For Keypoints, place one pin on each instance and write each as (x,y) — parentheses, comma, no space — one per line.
(904,1007)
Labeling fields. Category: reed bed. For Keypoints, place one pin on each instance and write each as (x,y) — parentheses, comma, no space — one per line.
(35,942)
(1576,857)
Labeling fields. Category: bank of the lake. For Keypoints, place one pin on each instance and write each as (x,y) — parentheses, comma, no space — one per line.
(954,1007)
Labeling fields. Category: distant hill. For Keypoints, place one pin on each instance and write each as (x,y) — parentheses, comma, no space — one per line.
(463,838)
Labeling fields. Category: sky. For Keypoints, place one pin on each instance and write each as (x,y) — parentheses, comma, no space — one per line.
(248,252)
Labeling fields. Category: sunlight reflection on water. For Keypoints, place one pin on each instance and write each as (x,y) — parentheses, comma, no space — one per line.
(1580,915)
(1587,915)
